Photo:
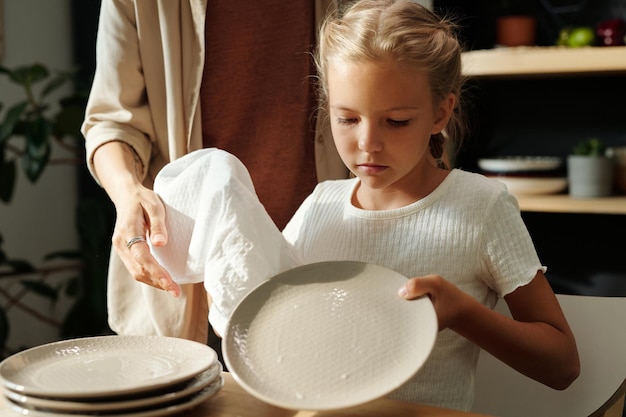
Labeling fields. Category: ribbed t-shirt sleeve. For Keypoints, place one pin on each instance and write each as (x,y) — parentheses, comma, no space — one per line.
(510,256)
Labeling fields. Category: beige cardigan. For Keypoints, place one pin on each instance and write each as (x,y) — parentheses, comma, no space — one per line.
(154,50)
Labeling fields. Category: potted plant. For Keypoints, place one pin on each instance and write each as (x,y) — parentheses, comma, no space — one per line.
(590,170)
(516,22)
(28,130)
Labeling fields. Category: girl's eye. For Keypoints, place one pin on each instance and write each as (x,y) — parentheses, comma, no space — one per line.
(398,123)
(345,121)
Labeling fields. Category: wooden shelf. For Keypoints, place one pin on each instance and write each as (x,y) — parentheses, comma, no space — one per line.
(565,204)
(552,60)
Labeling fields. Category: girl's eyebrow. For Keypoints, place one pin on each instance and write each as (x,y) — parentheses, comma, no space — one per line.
(402,108)
(340,107)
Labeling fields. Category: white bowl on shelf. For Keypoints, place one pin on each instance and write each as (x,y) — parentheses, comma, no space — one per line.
(520,164)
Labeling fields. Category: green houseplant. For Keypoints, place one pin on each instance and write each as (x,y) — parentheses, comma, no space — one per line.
(590,170)
(28,131)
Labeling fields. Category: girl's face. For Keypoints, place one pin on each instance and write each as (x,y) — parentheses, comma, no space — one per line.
(382,116)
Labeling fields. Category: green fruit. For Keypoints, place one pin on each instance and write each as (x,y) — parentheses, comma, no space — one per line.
(581,36)
(563,36)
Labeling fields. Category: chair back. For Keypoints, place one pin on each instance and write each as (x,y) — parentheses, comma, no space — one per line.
(599,325)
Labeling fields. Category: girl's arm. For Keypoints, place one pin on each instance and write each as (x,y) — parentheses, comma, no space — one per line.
(537,342)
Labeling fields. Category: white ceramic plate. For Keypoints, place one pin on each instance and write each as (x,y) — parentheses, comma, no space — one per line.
(534,186)
(179,391)
(158,411)
(104,366)
(520,163)
(328,335)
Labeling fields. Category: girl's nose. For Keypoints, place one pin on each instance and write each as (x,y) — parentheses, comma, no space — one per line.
(370,139)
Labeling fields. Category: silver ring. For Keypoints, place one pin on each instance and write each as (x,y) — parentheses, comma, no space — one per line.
(134,240)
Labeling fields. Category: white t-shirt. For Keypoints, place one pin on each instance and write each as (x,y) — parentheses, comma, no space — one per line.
(469,231)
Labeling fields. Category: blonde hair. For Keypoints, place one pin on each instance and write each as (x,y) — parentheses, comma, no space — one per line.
(408,33)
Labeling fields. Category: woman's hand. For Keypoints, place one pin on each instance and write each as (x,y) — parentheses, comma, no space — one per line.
(140,215)
(447,299)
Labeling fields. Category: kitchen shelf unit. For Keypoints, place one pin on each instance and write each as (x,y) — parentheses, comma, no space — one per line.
(527,62)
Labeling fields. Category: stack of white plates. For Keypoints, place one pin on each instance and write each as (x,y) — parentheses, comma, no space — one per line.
(525,175)
(122,376)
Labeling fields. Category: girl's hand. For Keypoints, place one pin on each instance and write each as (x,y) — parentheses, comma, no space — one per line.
(448,300)
(537,341)
(142,214)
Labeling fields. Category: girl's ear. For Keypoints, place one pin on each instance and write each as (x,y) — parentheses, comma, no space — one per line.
(443,113)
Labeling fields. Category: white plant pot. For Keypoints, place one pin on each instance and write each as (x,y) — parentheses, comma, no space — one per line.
(590,176)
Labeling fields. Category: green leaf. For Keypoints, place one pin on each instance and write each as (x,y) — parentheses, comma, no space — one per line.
(10,120)
(8,175)
(28,75)
(37,148)
(41,288)
(34,167)
(590,147)
(38,136)
(54,84)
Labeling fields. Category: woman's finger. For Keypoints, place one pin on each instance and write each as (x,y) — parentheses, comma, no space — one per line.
(154,215)
(145,268)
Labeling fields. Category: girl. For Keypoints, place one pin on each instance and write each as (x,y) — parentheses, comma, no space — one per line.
(390,80)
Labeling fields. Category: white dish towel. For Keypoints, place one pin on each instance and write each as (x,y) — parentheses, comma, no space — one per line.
(219,232)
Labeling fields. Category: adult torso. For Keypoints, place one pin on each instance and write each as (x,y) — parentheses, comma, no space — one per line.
(258,98)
